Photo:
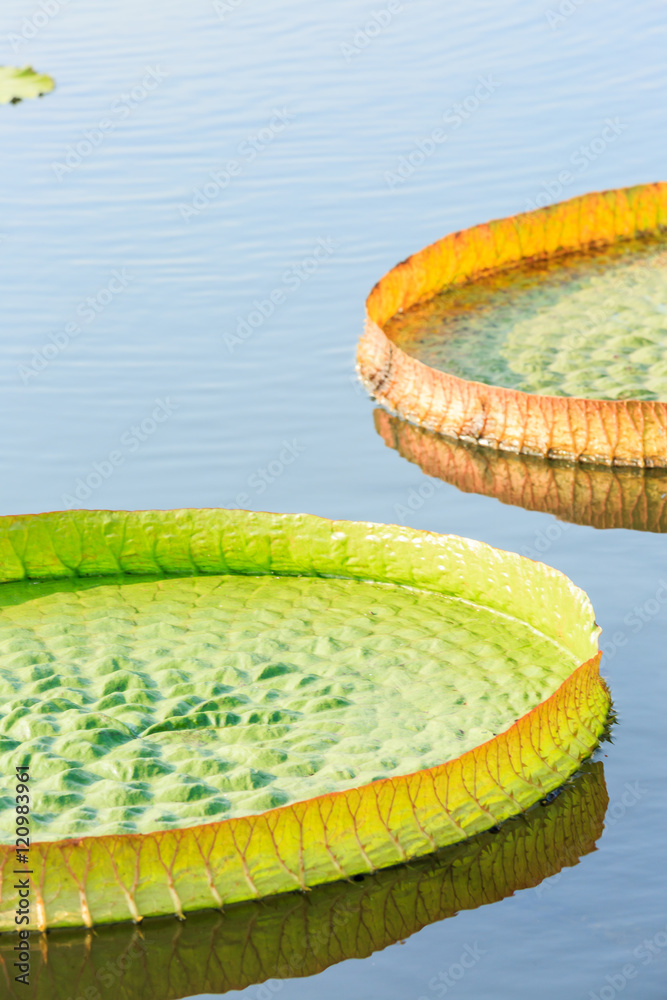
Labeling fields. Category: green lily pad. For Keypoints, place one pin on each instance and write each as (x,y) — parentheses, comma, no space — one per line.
(589,324)
(155,703)
(221,705)
(18,84)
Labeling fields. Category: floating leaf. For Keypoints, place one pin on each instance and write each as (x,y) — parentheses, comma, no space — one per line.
(592,323)
(18,84)
(222,705)
(295,935)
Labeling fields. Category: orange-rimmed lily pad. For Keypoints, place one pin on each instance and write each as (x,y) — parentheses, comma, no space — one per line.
(542,334)
(296,935)
(594,495)
(222,705)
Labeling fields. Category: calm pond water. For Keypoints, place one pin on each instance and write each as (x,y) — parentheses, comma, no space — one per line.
(138,273)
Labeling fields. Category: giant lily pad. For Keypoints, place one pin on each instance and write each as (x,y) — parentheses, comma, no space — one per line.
(221,705)
(18,84)
(298,934)
(595,495)
(543,334)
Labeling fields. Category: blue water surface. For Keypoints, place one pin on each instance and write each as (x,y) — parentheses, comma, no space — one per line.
(189,225)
